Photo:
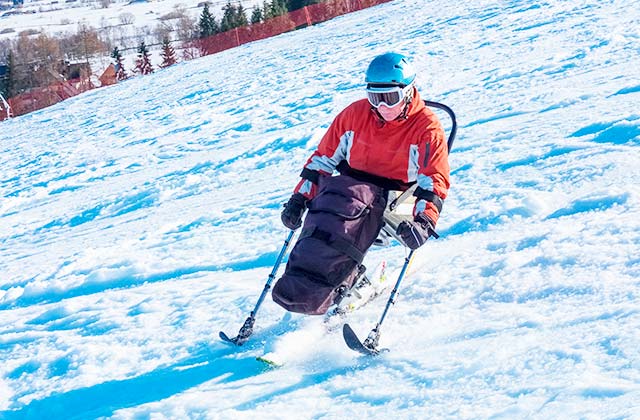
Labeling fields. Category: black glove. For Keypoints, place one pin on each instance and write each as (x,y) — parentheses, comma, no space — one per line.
(415,234)
(293,210)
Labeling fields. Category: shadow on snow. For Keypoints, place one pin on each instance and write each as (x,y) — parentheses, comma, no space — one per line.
(105,398)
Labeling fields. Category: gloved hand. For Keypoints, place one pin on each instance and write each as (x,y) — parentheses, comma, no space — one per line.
(415,234)
(293,210)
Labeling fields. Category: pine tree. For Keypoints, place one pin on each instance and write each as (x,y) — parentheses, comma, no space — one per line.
(7,87)
(281,7)
(207,25)
(296,4)
(143,62)
(256,15)
(274,8)
(299,4)
(241,16)
(121,73)
(168,54)
(228,18)
(266,11)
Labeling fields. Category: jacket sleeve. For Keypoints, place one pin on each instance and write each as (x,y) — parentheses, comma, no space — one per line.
(433,173)
(331,151)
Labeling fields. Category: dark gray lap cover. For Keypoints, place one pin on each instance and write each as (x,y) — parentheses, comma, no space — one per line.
(343,220)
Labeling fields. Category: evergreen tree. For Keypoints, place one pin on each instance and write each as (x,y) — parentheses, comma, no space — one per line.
(207,25)
(121,73)
(266,10)
(281,7)
(168,54)
(299,4)
(256,15)
(241,16)
(7,84)
(143,62)
(296,4)
(228,18)
(275,8)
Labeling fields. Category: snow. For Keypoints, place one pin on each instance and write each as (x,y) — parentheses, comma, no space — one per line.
(140,219)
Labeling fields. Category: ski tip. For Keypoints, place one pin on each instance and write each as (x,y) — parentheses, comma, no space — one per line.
(347,330)
(352,340)
(354,343)
(224,337)
(269,363)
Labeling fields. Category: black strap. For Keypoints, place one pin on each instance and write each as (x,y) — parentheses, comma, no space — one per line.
(429,196)
(311,175)
(382,182)
(334,242)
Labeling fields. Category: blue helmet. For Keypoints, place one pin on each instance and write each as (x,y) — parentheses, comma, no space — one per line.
(390,69)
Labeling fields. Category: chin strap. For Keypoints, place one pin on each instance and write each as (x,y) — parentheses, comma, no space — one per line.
(405,112)
(381,120)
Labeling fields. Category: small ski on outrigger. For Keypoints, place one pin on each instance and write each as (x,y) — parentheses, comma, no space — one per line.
(247,328)
(370,345)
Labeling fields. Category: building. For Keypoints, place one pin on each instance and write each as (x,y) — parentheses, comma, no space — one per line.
(77,70)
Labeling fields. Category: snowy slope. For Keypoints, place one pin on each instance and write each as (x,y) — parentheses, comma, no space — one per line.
(140,219)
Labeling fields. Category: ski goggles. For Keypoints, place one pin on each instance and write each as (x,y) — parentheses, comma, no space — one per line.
(388,95)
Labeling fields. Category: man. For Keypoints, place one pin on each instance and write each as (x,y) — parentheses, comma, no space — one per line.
(384,143)
(392,140)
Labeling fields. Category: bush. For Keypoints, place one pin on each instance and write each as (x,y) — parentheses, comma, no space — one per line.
(29,32)
(176,14)
(127,18)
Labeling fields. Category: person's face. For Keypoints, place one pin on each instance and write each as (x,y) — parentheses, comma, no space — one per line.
(390,113)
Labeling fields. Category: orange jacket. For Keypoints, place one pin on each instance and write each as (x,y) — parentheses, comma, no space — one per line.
(407,150)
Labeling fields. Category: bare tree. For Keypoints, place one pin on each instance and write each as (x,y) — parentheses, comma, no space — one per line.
(83,44)
(191,50)
(127,18)
(187,28)
(39,63)
(162,31)
(178,12)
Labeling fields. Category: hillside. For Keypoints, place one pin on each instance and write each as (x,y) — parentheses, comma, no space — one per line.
(121,23)
(56,16)
(140,219)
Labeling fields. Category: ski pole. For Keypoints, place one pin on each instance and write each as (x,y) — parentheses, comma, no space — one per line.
(372,339)
(247,328)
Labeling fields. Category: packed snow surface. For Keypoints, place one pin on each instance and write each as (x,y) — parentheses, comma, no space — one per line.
(139,220)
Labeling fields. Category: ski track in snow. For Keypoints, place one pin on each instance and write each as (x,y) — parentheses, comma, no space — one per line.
(139,220)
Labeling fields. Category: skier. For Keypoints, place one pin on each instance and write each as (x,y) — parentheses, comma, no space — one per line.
(392,139)
(387,142)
